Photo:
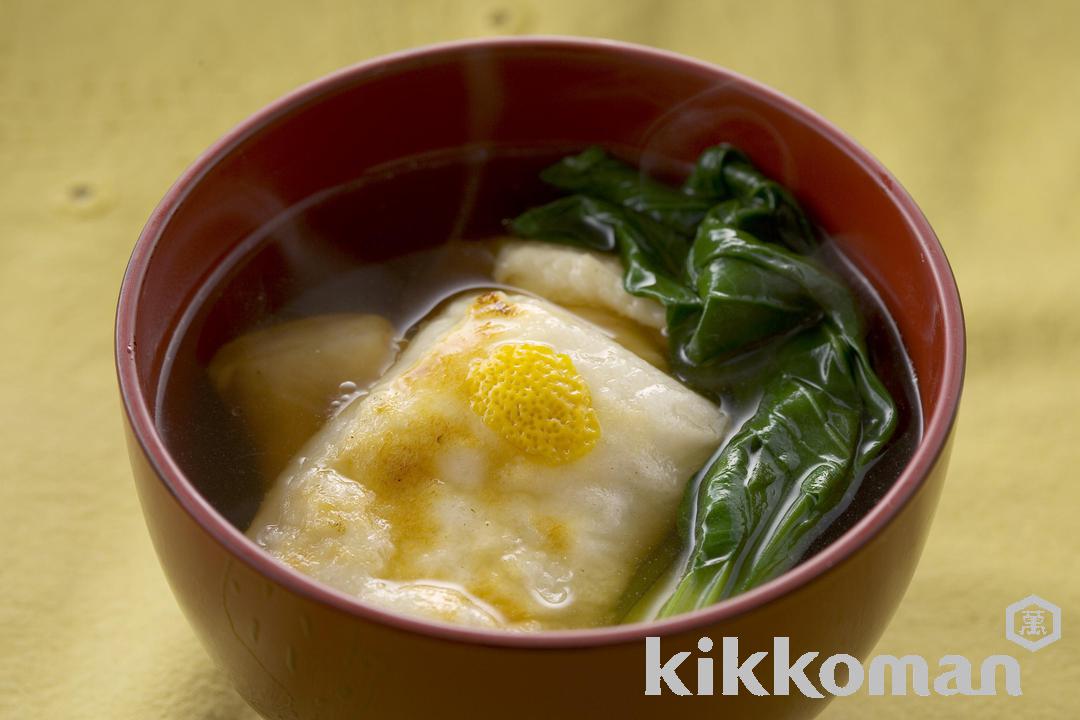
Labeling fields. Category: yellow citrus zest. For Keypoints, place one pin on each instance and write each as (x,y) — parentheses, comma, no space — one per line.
(536,400)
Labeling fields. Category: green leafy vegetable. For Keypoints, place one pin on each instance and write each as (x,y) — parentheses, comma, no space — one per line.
(763,207)
(599,175)
(760,205)
(726,256)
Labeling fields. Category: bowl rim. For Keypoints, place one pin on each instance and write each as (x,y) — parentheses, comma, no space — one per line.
(936,431)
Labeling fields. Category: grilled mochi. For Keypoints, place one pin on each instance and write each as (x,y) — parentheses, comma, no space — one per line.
(589,284)
(513,469)
(574,278)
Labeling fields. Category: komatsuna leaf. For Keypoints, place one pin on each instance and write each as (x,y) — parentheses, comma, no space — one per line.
(759,504)
(757,204)
(597,174)
(762,206)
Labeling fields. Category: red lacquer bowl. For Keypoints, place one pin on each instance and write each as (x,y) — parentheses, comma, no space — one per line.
(297,649)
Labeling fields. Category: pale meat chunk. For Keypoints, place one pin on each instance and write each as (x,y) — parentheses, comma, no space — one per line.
(282,380)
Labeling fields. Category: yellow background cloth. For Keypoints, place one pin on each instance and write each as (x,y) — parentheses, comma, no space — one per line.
(975,106)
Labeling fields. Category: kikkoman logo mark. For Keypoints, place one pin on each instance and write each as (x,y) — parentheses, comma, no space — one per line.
(1032,623)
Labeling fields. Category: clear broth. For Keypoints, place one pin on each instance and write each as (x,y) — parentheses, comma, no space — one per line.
(376,245)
